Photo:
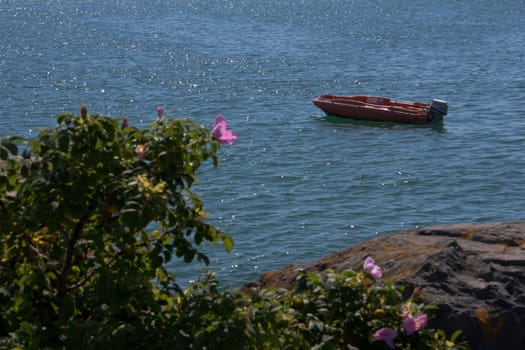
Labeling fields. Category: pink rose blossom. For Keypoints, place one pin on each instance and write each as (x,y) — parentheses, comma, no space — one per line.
(405,311)
(417,293)
(387,335)
(160,112)
(221,133)
(370,266)
(413,324)
(124,123)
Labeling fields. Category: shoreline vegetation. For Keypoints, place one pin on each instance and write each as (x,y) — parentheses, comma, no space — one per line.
(82,266)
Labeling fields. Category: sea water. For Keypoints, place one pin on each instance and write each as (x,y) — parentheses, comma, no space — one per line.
(297,185)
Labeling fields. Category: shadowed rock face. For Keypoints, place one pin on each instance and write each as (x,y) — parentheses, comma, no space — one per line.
(475,274)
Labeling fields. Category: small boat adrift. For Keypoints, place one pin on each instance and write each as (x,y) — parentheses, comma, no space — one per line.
(382,109)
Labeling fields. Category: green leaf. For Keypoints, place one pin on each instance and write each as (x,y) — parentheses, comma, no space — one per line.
(12,147)
(455,336)
(3,153)
(155,261)
(129,217)
(24,170)
(228,242)
(167,256)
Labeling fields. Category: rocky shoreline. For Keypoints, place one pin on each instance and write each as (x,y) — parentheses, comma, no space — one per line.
(473,273)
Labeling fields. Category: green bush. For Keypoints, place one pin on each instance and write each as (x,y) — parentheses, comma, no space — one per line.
(89,216)
(334,311)
(91,213)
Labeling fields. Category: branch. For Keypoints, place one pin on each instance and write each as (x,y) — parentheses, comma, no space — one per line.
(66,267)
(94,270)
(3,208)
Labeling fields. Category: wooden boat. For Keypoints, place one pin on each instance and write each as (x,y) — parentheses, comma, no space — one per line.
(383,109)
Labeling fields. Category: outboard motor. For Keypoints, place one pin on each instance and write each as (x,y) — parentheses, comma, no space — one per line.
(438,108)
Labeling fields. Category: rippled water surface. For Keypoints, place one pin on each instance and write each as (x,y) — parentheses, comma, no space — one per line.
(297,185)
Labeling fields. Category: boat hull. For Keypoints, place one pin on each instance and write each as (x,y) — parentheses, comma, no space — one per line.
(378,108)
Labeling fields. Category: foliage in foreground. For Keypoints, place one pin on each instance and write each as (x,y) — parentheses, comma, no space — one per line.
(91,213)
(336,311)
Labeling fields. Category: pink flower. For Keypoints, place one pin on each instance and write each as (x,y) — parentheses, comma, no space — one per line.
(387,335)
(405,310)
(417,293)
(370,266)
(413,324)
(160,112)
(124,123)
(221,133)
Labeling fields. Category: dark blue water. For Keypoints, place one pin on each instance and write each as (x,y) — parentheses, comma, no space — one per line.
(297,185)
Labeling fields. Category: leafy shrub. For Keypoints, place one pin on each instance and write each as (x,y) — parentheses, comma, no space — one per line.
(335,311)
(90,213)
